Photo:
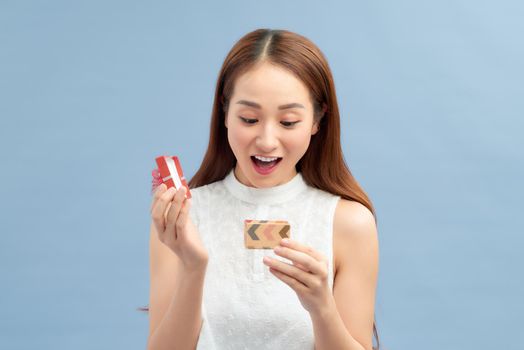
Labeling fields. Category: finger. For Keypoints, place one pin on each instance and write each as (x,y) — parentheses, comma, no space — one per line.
(159,209)
(290,243)
(298,286)
(300,266)
(174,211)
(292,271)
(182,217)
(297,257)
(156,195)
(160,191)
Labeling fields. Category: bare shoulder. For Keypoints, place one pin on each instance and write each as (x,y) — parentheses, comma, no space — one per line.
(353,226)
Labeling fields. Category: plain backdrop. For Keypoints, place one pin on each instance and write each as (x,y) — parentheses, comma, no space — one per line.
(431,101)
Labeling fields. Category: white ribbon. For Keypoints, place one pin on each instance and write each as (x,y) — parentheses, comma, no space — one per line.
(172,170)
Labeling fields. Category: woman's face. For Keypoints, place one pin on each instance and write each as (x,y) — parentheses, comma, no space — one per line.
(271,115)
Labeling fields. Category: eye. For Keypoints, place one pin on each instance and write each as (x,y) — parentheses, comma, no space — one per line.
(253,121)
(289,124)
(248,121)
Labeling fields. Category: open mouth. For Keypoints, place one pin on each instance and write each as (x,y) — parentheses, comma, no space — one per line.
(263,164)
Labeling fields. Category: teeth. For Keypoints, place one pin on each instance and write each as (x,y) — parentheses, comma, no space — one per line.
(265,159)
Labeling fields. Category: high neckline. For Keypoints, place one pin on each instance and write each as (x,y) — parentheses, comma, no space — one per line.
(270,195)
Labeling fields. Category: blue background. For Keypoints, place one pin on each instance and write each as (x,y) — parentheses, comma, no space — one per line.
(431,104)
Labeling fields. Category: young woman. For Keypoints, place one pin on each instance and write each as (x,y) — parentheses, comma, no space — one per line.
(274,153)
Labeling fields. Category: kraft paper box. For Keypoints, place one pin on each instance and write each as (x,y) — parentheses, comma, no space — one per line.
(171,173)
(265,234)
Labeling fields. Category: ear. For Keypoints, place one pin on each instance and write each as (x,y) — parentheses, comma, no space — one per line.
(315,128)
(316,125)
(225,120)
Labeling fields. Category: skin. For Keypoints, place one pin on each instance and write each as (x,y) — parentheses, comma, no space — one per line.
(178,263)
(342,319)
(270,87)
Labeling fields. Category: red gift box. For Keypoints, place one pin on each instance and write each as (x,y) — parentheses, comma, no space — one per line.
(171,173)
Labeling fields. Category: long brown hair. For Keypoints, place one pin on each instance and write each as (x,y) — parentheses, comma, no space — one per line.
(323,165)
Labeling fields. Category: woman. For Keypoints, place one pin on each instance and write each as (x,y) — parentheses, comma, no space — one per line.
(274,154)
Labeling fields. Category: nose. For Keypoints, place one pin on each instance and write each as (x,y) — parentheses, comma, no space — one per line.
(267,139)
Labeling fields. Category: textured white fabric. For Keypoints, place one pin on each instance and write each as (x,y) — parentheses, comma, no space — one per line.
(244,305)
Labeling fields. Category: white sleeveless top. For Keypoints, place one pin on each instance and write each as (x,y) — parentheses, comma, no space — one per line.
(244,306)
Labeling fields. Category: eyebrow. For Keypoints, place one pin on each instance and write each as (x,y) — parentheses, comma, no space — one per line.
(256,105)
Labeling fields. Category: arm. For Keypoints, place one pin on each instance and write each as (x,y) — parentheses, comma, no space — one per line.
(175,300)
(331,333)
(347,322)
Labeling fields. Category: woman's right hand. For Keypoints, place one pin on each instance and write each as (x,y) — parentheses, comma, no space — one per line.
(170,214)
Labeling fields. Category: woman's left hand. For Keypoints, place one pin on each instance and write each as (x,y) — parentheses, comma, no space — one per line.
(307,275)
